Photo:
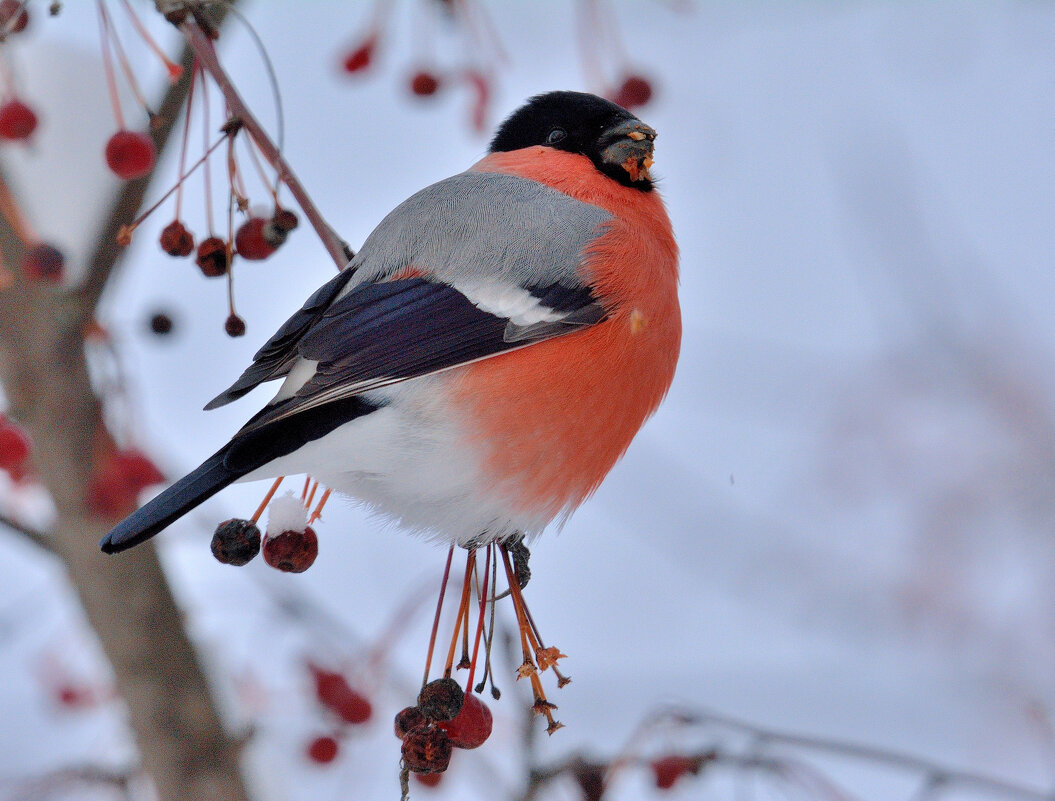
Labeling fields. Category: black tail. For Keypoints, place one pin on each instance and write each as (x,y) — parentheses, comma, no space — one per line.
(194,488)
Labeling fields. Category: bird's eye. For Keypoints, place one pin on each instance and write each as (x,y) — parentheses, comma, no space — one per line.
(556,135)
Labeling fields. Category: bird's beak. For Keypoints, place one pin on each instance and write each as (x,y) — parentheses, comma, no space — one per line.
(629,145)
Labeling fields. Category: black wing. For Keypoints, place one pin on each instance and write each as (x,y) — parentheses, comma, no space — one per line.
(380,334)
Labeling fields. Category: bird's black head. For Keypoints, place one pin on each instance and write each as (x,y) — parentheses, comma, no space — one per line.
(616,141)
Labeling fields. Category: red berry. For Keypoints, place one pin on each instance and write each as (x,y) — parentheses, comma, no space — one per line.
(235,542)
(424,84)
(14,446)
(136,469)
(335,693)
(407,720)
(472,726)
(43,262)
(323,750)
(212,257)
(130,154)
(234,325)
(441,699)
(17,120)
(13,17)
(427,750)
(428,779)
(667,770)
(360,58)
(291,551)
(635,91)
(250,240)
(176,240)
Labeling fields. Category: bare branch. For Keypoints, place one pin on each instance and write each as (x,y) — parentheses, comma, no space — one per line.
(38,538)
(202,46)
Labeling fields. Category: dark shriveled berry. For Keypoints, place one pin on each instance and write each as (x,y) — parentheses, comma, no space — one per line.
(161,324)
(212,257)
(43,262)
(236,542)
(291,551)
(441,699)
(284,220)
(407,720)
(176,240)
(427,750)
(234,326)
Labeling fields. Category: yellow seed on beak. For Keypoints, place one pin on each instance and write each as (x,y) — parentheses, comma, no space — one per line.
(648,162)
(637,136)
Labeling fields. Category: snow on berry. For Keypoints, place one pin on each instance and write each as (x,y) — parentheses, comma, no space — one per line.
(286,513)
(17,120)
(130,154)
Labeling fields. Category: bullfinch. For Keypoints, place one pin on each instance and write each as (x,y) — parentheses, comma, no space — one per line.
(488,355)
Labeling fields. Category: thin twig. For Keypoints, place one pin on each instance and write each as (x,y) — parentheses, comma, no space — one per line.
(202,46)
(38,538)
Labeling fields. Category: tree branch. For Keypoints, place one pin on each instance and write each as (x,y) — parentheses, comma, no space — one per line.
(202,46)
(38,538)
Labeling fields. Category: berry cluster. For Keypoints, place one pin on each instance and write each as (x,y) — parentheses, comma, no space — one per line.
(444,718)
(290,544)
(424,80)
(346,705)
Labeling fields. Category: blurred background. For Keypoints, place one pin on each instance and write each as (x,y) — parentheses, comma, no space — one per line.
(840,523)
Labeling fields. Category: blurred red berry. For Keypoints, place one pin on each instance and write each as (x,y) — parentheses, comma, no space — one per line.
(43,262)
(667,770)
(176,240)
(17,120)
(113,488)
(335,693)
(323,750)
(250,241)
(212,257)
(292,551)
(74,697)
(361,57)
(130,154)
(13,17)
(427,750)
(428,779)
(424,83)
(234,326)
(14,446)
(634,91)
(136,469)
(472,726)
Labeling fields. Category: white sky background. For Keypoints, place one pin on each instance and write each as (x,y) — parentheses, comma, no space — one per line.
(840,522)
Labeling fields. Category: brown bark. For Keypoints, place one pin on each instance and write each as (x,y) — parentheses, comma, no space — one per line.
(126,598)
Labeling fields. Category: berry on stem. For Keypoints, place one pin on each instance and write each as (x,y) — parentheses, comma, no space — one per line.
(427,750)
(212,257)
(360,57)
(176,240)
(235,327)
(251,240)
(441,699)
(291,551)
(407,720)
(14,446)
(471,727)
(130,154)
(323,750)
(17,120)
(235,542)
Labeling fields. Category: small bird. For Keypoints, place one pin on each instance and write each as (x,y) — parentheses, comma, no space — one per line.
(485,359)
